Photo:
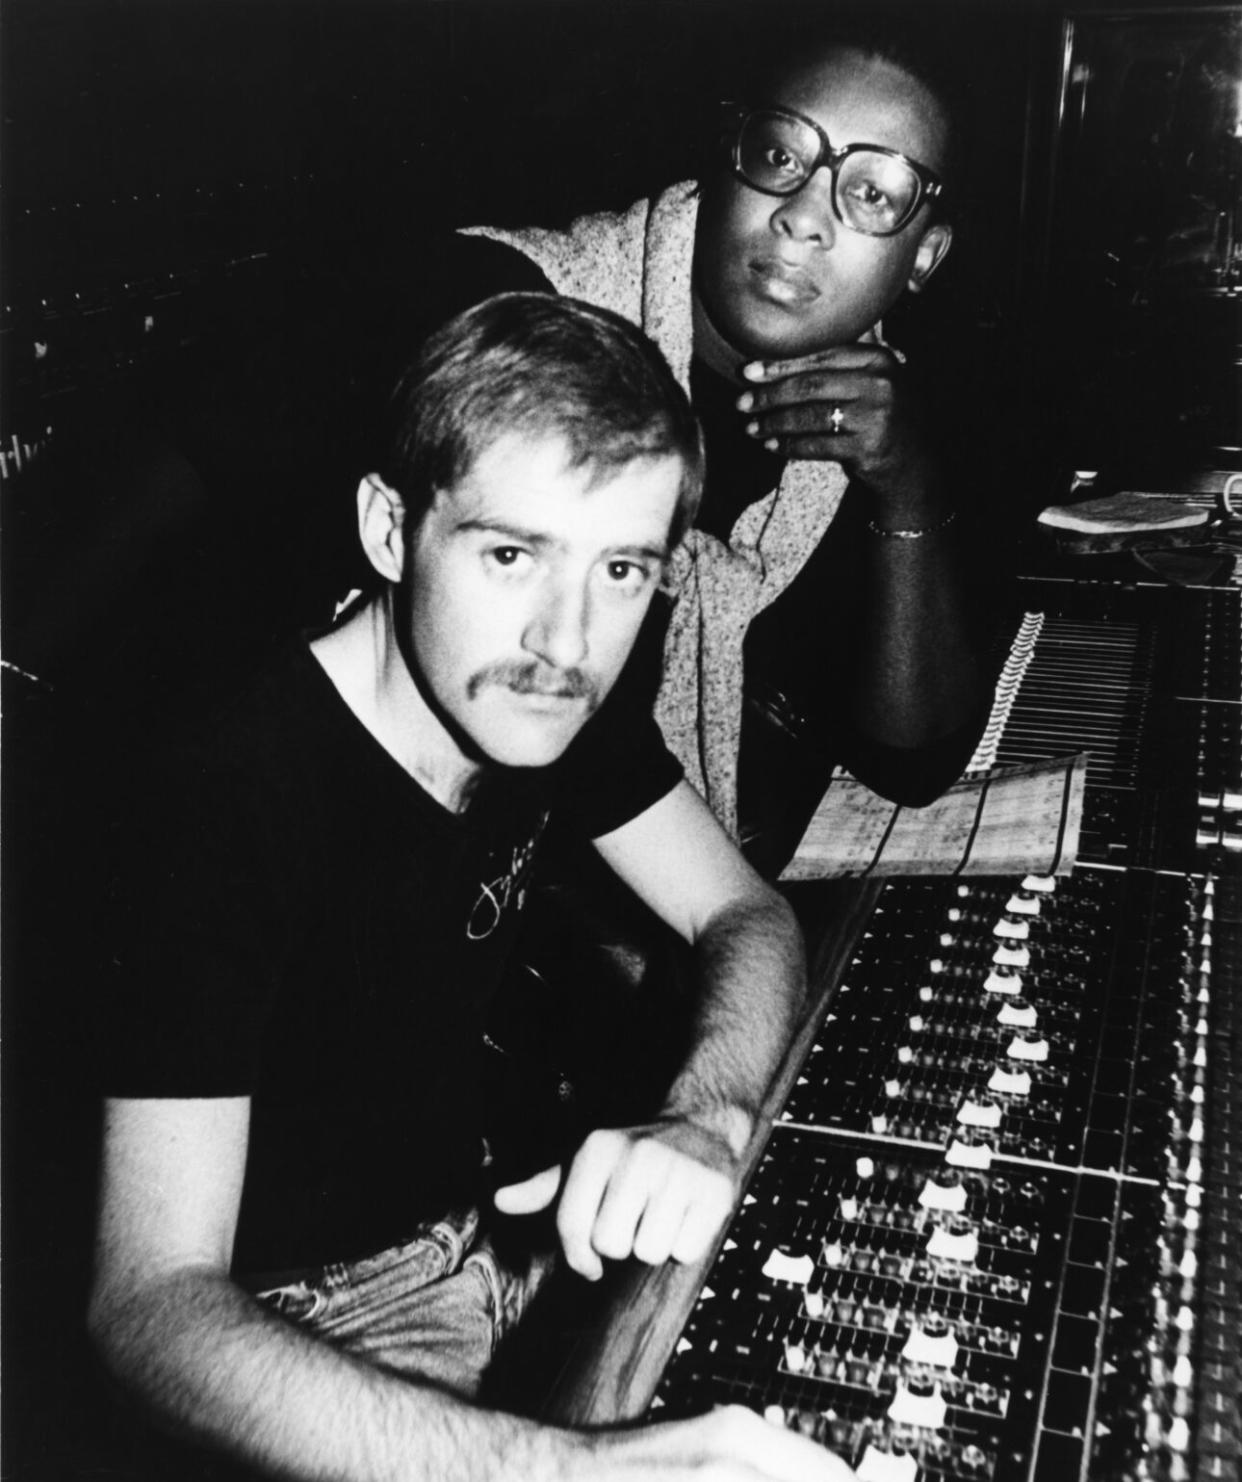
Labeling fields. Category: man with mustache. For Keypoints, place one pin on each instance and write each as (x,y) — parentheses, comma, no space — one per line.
(298,1262)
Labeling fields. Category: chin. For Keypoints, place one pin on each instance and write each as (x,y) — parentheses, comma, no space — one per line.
(763,331)
(527,748)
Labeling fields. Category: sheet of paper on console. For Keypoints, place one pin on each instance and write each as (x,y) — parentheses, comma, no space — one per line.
(1005,820)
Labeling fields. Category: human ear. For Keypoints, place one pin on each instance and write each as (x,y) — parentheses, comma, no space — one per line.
(381,515)
(937,240)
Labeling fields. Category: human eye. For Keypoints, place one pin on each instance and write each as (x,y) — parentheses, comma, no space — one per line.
(626,576)
(772,154)
(868,195)
(876,190)
(506,557)
(782,160)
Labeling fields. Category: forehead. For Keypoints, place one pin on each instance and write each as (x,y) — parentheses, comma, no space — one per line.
(510,469)
(861,99)
(530,481)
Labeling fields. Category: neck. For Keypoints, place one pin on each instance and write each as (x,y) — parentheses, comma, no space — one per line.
(711,347)
(364,661)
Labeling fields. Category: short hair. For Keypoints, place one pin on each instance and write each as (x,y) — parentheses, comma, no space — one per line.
(539,365)
(916,40)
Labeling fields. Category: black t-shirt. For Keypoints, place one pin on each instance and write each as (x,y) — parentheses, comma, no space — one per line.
(309,928)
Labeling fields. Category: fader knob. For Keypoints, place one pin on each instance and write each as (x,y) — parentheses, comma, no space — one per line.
(956,1240)
(969,1148)
(945,1190)
(1178,1438)
(918,1401)
(931,1342)
(1008,928)
(1018,1012)
(981,1111)
(1011,956)
(1028,1045)
(1010,1082)
(1003,979)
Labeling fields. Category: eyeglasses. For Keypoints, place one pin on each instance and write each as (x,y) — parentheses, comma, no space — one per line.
(875,190)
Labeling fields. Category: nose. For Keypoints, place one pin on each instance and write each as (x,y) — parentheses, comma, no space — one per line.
(558,627)
(807,215)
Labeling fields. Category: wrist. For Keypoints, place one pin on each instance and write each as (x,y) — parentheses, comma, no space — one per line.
(916,494)
(727,1122)
(925,504)
(912,532)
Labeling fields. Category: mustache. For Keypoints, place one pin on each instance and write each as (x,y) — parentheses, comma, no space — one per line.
(529,677)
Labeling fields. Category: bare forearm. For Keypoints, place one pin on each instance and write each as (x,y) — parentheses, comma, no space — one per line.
(919,676)
(221,1370)
(215,1367)
(751,978)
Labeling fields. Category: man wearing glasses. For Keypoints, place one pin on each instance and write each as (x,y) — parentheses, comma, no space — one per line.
(825,565)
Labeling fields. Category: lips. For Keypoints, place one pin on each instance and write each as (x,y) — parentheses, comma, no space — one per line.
(781,282)
(537,695)
(570,693)
(544,708)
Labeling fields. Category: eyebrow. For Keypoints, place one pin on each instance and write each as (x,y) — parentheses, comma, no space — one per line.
(542,541)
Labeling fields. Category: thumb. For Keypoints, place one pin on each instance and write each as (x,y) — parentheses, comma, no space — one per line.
(531,1195)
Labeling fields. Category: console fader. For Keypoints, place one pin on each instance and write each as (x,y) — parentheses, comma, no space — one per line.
(993,1234)
(980,1241)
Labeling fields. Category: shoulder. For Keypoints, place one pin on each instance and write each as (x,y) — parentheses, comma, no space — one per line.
(268,703)
(251,735)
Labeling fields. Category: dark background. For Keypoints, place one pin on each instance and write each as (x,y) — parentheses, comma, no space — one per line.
(186,183)
(187,186)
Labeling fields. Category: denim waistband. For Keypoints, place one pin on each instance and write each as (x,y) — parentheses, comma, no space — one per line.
(460,1226)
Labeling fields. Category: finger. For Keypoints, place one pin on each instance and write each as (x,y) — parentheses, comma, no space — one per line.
(785,1456)
(839,357)
(640,1183)
(816,390)
(704,1217)
(581,1197)
(816,419)
(531,1195)
(660,1226)
(789,1457)
(835,448)
(773,1452)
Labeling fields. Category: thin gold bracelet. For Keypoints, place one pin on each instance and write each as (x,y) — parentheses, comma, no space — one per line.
(913,534)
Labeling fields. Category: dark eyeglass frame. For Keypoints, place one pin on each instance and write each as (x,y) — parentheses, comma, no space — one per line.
(738,115)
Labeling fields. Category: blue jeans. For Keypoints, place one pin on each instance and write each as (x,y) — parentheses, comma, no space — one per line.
(433,1309)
